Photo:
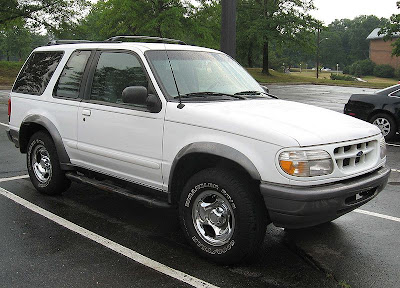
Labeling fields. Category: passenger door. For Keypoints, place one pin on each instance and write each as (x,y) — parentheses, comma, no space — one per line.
(117,138)
(67,94)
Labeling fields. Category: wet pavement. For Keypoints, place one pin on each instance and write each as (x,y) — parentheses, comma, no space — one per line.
(357,250)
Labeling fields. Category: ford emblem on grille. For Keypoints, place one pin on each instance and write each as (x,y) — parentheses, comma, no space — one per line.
(359,154)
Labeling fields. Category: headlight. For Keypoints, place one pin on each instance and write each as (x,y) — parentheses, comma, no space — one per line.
(306,163)
(382,145)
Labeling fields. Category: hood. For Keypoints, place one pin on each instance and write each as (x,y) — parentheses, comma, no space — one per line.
(279,122)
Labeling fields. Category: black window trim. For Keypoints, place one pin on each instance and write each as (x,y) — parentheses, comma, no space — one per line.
(83,79)
(26,63)
(89,81)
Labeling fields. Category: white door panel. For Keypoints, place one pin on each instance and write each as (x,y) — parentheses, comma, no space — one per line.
(121,142)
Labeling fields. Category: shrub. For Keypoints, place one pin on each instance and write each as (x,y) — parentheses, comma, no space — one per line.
(346,70)
(397,73)
(384,71)
(10,67)
(342,77)
(362,68)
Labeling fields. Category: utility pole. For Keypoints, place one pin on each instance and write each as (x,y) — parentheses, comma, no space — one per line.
(318,42)
(228,27)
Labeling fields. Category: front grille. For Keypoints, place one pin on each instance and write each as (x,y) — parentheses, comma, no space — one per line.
(355,156)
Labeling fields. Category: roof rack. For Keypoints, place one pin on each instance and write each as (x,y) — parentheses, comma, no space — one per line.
(155,39)
(61,42)
(117,39)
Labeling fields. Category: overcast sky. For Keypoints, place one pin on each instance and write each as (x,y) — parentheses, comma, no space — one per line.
(329,10)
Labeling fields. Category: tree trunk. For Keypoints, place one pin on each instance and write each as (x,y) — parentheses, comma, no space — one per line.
(250,55)
(265,67)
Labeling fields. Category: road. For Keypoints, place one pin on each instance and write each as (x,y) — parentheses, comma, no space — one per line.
(357,249)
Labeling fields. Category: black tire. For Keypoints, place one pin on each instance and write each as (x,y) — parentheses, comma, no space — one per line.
(46,176)
(389,123)
(245,204)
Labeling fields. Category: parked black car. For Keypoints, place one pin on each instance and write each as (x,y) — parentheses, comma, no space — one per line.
(381,108)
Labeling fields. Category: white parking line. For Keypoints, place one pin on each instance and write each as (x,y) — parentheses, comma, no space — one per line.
(5,125)
(395,145)
(377,215)
(13,178)
(181,276)
(395,170)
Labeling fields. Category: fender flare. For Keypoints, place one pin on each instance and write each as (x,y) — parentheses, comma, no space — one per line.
(53,131)
(216,149)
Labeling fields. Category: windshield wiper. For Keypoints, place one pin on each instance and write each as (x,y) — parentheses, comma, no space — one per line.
(250,92)
(207,93)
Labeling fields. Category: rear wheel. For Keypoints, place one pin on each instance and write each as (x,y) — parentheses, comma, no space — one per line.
(43,165)
(386,123)
(222,216)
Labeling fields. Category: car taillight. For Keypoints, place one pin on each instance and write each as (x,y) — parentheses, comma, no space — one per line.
(9,109)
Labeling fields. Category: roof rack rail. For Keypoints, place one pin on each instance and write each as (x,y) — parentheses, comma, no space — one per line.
(61,42)
(155,39)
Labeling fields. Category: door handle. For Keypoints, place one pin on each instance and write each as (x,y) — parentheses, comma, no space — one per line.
(86,112)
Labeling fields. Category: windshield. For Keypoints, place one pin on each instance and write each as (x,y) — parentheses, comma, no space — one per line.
(203,74)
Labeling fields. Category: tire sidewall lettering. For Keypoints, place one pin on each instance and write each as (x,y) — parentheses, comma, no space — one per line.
(212,251)
(208,185)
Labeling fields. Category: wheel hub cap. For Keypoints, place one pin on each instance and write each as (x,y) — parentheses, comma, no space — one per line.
(383,124)
(213,218)
(41,164)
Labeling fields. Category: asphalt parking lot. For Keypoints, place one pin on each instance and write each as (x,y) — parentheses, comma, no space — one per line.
(88,237)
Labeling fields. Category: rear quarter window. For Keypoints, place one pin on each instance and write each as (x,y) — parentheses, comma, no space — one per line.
(37,72)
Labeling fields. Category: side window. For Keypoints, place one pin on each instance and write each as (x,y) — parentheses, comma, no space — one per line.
(397,93)
(114,72)
(70,80)
(37,72)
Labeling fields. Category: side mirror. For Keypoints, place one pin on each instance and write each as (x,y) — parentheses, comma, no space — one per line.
(153,103)
(135,95)
(265,89)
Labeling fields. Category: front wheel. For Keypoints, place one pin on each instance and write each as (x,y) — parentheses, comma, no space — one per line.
(386,123)
(222,216)
(43,165)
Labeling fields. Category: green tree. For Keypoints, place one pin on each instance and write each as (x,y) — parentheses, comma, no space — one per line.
(203,23)
(282,23)
(348,39)
(391,29)
(41,13)
(17,40)
(162,18)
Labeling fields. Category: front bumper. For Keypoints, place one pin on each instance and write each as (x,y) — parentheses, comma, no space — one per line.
(299,207)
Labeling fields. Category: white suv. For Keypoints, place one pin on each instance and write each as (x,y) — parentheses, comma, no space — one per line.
(193,125)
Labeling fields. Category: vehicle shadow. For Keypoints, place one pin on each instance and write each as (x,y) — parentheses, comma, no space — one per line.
(156,234)
(395,139)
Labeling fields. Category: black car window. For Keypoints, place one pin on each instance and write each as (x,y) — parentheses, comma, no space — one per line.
(70,79)
(114,72)
(37,72)
(396,93)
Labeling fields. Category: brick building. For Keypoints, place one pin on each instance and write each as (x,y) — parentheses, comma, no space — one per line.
(380,52)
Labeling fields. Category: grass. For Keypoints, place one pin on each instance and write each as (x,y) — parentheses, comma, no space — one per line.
(309,77)
(8,72)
